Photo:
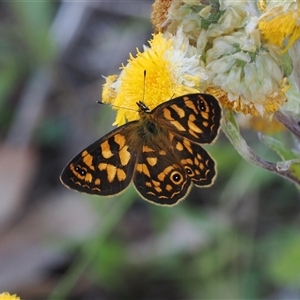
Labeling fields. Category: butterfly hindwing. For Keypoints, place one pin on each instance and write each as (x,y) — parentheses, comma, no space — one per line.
(165,177)
(198,164)
(159,177)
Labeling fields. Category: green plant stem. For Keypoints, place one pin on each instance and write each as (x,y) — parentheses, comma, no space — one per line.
(289,122)
(231,130)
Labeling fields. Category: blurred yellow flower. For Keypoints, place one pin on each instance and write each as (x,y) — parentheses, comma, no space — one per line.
(7,296)
(260,124)
(172,69)
(280,23)
(109,93)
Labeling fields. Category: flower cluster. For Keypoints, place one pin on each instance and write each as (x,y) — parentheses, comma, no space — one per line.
(231,49)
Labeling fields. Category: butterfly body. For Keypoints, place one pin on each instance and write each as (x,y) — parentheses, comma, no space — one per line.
(160,152)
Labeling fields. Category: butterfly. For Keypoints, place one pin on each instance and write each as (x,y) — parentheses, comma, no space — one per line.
(160,152)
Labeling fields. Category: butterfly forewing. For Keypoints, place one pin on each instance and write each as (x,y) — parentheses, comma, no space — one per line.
(194,116)
(105,167)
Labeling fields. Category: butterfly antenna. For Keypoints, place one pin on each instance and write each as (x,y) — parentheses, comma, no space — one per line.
(100,102)
(144,89)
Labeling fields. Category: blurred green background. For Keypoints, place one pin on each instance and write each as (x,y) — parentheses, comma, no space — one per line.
(239,239)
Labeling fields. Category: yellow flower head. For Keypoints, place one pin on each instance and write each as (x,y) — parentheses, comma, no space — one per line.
(172,69)
(280,23)
(7,296)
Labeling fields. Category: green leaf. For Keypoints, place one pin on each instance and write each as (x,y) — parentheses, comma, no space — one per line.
(284,267)
(295,169)
(284,152)
(34,21)
(108,263)
(287,63)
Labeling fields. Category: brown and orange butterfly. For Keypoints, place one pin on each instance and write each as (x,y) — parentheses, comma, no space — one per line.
(160,152)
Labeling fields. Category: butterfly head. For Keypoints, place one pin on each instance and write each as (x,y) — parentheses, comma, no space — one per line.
(143,107)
